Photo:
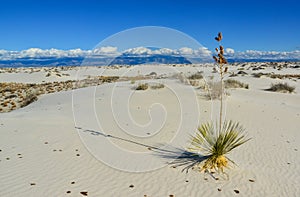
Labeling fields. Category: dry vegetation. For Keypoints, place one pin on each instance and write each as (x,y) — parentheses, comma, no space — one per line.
(196,76)
(231,83)
(276,76)
(17,95)
(215,91)
(281,87)
(142,86)
(157,86)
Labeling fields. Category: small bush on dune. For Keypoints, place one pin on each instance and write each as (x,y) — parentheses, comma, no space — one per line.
(30,97)
(142,86)
(158,86)
(257,75)
(281,87)
(196,76)
(215,90)
(231,83)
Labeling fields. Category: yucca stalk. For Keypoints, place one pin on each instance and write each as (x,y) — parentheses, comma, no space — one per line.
(214,142)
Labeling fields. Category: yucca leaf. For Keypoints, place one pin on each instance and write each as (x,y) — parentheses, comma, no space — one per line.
(215,144)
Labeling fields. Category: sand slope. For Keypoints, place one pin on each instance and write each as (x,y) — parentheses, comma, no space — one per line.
(43,154)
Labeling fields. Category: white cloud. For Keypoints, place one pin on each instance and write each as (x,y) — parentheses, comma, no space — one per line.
(203,52)
(105,50)
(229,51)
(186,51)
(276,55)
(165,51)
(138,51)
(110,51)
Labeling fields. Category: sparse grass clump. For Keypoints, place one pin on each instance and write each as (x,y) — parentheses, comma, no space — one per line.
(30,97)
(158,86)
(215,91)
(142,86)
(231,83)
(277,76)
(257,75)
(281,87)
(195,76)
(108,79)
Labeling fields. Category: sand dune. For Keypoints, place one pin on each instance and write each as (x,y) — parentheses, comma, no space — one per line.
(101,140)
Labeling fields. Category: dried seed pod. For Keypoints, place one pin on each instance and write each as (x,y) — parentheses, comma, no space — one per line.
(224,61)
(217,49)
(216,59)
(221,50)
(226,69)
(221,60)
(217,39)
(220,36)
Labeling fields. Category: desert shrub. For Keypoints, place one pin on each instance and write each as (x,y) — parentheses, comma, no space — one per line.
(194,82)
(142,86)
(182,78)
(233,75)
(10,96)
(157,86)
(281,87)
(195,76)
(257,75)
(231,83)
(242,73)
(29,98)
(109,79)
(215,90)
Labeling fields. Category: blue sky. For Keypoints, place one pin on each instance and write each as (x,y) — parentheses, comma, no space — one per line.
(256,25)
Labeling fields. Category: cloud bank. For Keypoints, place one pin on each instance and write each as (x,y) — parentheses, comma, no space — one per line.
(110,51)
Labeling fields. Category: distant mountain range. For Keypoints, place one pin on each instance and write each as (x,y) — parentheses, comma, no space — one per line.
(120,60)
(111,55)
(80,61)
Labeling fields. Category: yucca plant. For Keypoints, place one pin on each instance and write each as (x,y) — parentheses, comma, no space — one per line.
(214,141)
(215,145)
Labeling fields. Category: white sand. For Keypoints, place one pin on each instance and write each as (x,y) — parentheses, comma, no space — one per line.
(44,135)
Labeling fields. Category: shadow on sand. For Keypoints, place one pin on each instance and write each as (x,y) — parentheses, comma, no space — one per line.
(176,157)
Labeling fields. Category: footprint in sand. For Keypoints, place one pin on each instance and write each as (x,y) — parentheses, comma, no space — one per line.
(131,186)
(84,193)
(236,191)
